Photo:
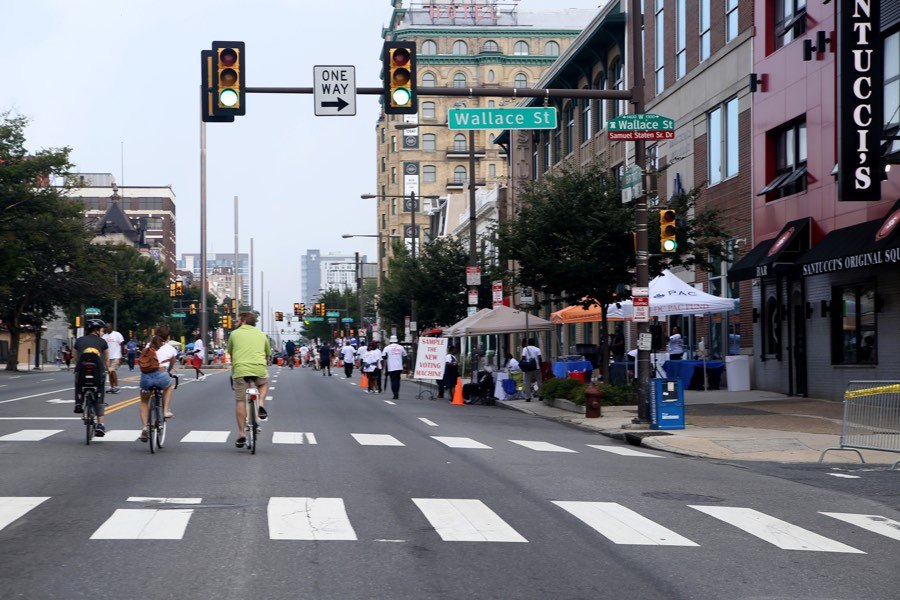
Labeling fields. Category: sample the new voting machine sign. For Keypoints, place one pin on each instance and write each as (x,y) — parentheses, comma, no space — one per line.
(431,358)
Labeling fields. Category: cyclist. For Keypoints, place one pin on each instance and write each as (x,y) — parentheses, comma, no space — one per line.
(166,355)
(289,349)
(91,343)
(250,351)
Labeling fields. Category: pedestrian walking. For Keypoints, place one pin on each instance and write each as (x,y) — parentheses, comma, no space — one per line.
(325,356)
(394,355)
(199,355)
(67,356)
(451,373)
(131,348)
(304,356)
(348,353)
(675,347)
(617,345)
(530,365)
(116,344)
(371,364)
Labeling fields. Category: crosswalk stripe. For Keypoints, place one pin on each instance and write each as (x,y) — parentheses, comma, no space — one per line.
(623,451)
(309,519)
(15,507)
(464,520)
(206,436)
(29,435)
(120,435)
(152,500)
(390,402)
(775,531)
(542,446)
(622,525)
(428,422)
(376,439)
(460,442)
(874,523)
(293,437)
(144,524)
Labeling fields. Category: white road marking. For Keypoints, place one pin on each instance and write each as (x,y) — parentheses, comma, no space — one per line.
(120,435)
(843,475)
(874,523)
(293,437)
(29,435)
(462,520)
(15,507)
(427,422)
(268,398)
(40,419)
(623,451)
(15,376)
(542,446)
(460,442)
(621,525)
(60,401)
(51,379)
(376,439)
(35,395)
(309,519)
(272,387)
(150,500)
(391,541)
(775,531)
(390,402)
(206,436)
(144,524)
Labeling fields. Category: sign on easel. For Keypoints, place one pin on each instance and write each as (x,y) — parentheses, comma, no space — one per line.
(431,358)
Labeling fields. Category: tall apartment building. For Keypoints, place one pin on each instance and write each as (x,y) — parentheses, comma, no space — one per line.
(332,271)
(220,264)
(459,44)
(149,208)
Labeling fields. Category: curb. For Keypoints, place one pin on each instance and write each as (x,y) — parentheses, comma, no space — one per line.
(611,433)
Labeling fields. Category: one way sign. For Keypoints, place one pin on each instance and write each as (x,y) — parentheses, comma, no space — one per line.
(334,91)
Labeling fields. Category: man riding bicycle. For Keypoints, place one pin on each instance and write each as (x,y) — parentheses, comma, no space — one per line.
(91,346)
(250,351)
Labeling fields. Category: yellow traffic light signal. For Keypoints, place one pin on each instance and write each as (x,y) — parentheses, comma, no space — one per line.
(234,306)
(179,288)
(399,78)
(667,231)
(297,309)
(229,78)
(172,289)
(302,309)
(193,308)
(78,321)
(279,316)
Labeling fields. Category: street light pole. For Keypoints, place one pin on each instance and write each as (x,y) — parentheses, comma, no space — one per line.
(413,313)
(204,314)
(234,275)
(473,247)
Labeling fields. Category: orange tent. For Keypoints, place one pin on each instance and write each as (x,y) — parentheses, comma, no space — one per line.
(577,314)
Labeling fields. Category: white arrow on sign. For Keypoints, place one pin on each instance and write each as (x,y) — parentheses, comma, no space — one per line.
(334,91)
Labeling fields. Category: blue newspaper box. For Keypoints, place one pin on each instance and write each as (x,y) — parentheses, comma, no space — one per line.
(666,404)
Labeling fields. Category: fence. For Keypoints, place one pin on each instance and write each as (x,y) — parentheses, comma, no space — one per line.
(871,418)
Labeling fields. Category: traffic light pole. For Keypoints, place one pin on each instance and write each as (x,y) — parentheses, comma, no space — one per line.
(234,275)
(204,314)
(470,92)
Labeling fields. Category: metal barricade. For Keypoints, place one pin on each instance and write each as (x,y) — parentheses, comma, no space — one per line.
(871,418)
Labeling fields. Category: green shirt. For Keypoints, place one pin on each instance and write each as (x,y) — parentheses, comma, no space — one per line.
(249,348)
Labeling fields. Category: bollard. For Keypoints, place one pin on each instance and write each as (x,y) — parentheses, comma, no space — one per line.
(593,397)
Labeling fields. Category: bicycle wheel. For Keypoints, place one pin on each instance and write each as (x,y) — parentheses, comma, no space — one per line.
(161,436)
(253,428)
(152,421)
(88,417)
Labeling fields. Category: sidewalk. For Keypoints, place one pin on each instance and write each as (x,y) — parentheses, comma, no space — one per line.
(752,426)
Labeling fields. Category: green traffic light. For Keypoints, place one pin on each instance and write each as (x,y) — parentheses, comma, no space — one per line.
(401,96)
(669,245)
(228,98)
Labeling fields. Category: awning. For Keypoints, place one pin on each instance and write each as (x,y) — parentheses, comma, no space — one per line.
(868,244)
(776,255)
(578,314)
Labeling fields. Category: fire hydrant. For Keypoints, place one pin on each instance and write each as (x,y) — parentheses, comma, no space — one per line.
(593,396)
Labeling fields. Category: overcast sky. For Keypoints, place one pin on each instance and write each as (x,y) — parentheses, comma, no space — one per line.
(92,74)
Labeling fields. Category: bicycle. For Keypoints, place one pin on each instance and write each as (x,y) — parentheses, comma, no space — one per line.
(92,386)
(156,418)
(90,415)
(251,410)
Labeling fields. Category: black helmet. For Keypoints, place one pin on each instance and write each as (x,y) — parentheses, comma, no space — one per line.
(93,324)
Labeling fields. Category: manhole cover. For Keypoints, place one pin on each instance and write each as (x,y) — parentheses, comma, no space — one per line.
(682,497)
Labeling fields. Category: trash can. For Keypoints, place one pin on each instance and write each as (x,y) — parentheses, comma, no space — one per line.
(737,372)
(666,404)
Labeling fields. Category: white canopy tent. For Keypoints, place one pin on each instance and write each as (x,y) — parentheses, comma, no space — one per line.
(503,319)
(669,295)
(458,328)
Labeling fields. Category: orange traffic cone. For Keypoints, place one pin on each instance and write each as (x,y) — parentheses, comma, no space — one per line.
(457,393)
(364,382)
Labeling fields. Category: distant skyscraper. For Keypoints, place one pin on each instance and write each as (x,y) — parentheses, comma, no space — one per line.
(334,271)
(215,263)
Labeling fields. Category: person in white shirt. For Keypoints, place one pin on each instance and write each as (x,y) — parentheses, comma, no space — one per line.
(199,356)
(360,353)
(371,366)
(348,353)
(394,355)
(531,366)
(116,344)
(675,347)
(166,354)
(451,373)
(304,356)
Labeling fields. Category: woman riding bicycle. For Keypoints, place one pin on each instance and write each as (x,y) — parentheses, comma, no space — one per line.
(160,378)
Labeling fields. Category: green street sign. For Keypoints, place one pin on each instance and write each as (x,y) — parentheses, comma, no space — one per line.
(631,177)
(332,313)
(543,117)
(314,319)
(178,315)
(346,320)
(646,126)
(92,312)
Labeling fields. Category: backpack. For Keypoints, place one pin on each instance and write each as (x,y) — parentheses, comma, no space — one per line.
(148,361)
(528,364)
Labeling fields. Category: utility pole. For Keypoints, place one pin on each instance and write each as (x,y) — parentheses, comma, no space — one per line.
(642,255)
(262,300)
(204,310)
(234,276)
(413,313)
(251,274)
(473,246)
(359,303)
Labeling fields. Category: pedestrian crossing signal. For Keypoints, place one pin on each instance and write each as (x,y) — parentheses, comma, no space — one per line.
(399,78)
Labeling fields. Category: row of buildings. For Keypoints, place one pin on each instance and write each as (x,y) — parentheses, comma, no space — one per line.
(787,116)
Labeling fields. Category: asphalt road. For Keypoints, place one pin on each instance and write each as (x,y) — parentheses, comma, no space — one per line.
(544,516)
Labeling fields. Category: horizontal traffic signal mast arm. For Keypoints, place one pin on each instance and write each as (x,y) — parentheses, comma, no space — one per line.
(494,92)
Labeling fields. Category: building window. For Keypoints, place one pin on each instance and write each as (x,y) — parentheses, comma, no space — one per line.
(618,174)
(459,80)
(790,21)
(551,49)
(618,84)
(383,136)
(722,128)
(393,143)
(853,325)
(490,46)
(393,175)
(547,150)
(731,20)
(660,54)
(459,174)
(790,161)
(521,48)
(892,81)
(429,47)
(428,80)
(428,110)
(601,104)
(151,204)
(383,221)
(154,223)
(492,170)
(460,47)
(383,191)
(459,142)
(586,119)
(393,206)
(705,38)
(429,174)
(569,112)
(429,142)
(383,164)
(491,104)
(490,76)
(521,80)
(491,138)
(680,38)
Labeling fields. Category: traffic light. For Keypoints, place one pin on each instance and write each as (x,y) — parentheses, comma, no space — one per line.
(322,309)
(172,289)
(279,316)
(302,309)
(193,308)
(229,78)
(179,288)
(297,312)
(399,78)
(223,320)
(234,306)
(667,231)
(208,91)
(78,321)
